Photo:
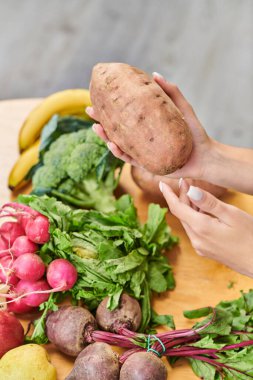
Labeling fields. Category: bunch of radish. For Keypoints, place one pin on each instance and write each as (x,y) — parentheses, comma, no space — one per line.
(22,231)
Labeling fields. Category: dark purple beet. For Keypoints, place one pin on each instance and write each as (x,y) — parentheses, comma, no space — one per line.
(143,366)
(97,361)
(127,315)
(68,328)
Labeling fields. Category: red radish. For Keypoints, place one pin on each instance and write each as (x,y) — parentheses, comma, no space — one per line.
(18,306)
(61,274)
(11,332)
(10,231)
(37,230)
(21,208)
(3,244)
(39,292)
(29,266)
(23,245)
(7,275)
(3,247)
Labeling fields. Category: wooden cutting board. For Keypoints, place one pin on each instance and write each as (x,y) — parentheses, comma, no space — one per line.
(200,281)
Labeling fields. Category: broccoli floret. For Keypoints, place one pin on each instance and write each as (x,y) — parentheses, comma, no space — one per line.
(79,169)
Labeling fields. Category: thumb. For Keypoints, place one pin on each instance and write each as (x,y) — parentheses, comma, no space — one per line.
(209,204)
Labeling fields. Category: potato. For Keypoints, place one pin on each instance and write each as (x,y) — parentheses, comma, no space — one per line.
(139,117)
(149,183)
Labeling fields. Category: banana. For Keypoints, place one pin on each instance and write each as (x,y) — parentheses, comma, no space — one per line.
(67,102)
(22,166)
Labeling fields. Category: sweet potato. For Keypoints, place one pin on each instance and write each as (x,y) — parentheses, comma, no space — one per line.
(139,117)
(149,183)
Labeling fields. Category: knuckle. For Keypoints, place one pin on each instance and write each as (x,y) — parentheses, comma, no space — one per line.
(211,203)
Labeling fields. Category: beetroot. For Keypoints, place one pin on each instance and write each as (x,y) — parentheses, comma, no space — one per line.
(97,361)
(127,315)
(143,366)
(68,327)
(23,245)
(11,332)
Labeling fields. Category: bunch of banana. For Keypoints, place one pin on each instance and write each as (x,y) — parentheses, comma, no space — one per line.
(67,102)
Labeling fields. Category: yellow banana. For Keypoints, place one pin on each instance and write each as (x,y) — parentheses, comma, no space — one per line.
(22,166)
(67,102)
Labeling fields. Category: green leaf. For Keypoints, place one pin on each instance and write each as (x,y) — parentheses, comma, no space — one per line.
(162,320)
(203,370)
(156,280)
(198,313)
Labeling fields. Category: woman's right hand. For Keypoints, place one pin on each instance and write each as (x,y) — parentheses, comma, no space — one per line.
(202,144)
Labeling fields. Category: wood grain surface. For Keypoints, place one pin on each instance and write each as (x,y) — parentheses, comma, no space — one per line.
(200,281)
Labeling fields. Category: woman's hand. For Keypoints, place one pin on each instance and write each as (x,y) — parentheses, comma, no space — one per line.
(210,160)
(217,230)
(198,161)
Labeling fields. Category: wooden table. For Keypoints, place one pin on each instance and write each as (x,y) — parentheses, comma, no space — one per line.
(200,281)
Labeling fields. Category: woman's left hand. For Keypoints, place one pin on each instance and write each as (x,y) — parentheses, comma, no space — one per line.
(217,230)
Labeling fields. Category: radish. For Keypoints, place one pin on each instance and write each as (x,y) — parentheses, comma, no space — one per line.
(18,306)
(37,292)
(127,315)
(3,244)
(61,274)
(35,224)
(4,249)
(20,208)
(10,231)
(7,275)
(29,266)
(11,332)
(97,361)
(37,230)
(23,245)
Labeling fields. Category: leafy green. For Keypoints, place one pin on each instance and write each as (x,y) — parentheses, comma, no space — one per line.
(226,340)
(111,251)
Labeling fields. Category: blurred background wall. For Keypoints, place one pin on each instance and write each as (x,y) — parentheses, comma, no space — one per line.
(205,46)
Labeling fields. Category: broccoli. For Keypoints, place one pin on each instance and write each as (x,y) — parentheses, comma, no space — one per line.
(78,169)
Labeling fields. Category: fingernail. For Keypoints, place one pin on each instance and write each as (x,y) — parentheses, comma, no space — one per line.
(195,193)
(109,145)
(88,109)
(161,186)
(155,74)
(94,127)
(180,182)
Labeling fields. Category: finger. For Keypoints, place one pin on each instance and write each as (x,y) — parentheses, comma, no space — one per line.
(90,111)
(183,189)
(100,132)
(181,210)
(117,152)
(174,93)
(208,203)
